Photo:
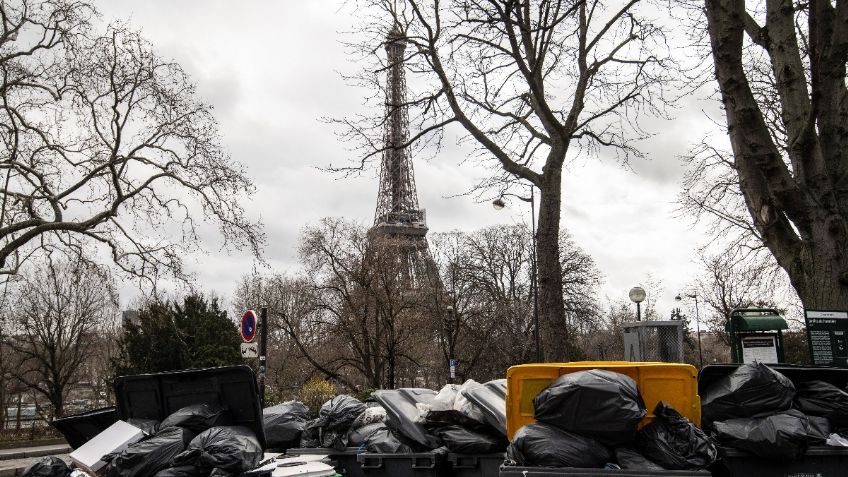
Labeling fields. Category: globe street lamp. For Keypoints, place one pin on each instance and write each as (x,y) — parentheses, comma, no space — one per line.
(697,324)
(499,204)
(637,295)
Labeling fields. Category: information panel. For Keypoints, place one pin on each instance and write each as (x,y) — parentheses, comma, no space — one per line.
(827,332)
(760,348)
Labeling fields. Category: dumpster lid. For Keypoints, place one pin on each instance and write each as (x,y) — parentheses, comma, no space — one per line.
(402,412)
(490,399)
(755,319)
(156,396)
(795,372)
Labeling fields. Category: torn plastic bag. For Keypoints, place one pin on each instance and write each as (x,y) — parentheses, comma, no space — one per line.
(834,440)
(820,398)
(544,445)
(50,466)
(370,416)
(149,426)
(377,438)
(781,436)
(631,459)
(819,429)
(402,414)
(146,458)
(673,442)
(463,405)
(181,471)
(751,389)
(284,423)
(309,436)
(490,399)
(597,403)
(233,449)
(198,417)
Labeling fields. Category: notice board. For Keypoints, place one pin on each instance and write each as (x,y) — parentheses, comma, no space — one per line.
(826,334)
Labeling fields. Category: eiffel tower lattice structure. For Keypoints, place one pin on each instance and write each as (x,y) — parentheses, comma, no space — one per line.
(399,222)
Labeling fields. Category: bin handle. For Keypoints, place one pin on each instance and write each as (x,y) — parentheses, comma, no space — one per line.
(371,462)
(429,462)
(466,462)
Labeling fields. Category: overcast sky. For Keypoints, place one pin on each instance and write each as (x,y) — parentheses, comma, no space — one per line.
(270,68)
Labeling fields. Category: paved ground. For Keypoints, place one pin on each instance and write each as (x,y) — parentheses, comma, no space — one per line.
(13,461)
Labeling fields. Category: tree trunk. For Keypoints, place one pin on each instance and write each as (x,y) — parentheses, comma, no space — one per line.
(798,213)
(554,332)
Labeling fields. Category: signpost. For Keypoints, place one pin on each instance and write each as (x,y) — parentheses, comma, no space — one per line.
(248,326)
(249,350)
(827,334)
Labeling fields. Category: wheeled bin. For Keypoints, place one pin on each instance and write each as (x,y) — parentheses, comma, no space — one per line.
(422,464)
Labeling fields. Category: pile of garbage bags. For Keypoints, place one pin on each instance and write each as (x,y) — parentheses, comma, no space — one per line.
(405,420)
(590,419)
(760,411)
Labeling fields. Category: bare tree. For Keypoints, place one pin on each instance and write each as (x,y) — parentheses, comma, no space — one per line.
(106,146)
(780,69)
(56,308)
(532,84)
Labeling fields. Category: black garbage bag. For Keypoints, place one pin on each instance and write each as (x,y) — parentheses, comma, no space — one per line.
(749,390)
(357,436)
(284,423)
(820,429)
(198,417)
(673,442)
(544,445)
(50,466)
(146,458)
(149,426)
(597,403)
(182,471)
(463,435)
(820,398)
(782,436)
(334,421)
(631,459)
(309,437)
(461,440)
(233,449)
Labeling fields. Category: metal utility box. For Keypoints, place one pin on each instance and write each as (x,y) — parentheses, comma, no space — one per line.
(658,341)
(756,334)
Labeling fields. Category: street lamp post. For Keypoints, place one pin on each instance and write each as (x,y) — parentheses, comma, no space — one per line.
(637,295)
(449,331)
(499,204)
(697,325)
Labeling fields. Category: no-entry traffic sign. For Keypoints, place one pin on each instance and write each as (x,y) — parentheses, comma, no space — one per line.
(248,326)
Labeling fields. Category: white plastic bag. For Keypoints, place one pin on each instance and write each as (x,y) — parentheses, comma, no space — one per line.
(464,406)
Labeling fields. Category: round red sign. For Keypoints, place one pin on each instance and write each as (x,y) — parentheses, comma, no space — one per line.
(248,325)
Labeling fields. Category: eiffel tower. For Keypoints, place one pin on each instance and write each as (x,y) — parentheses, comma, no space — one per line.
(398,221)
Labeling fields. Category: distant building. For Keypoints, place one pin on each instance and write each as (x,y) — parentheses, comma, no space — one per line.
(129,316)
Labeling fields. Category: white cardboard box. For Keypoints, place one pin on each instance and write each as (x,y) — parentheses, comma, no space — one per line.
(114,439)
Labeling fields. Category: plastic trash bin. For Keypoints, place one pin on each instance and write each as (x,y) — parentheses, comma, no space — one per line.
(476,465)
(819,461)
(673,383)
(80,428)
(510,471)
(424,464)
(344,461)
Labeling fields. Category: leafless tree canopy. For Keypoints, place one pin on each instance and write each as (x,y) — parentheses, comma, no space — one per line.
(780,70)
(106,146)
(349,318)
(531,84)
(56,310)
